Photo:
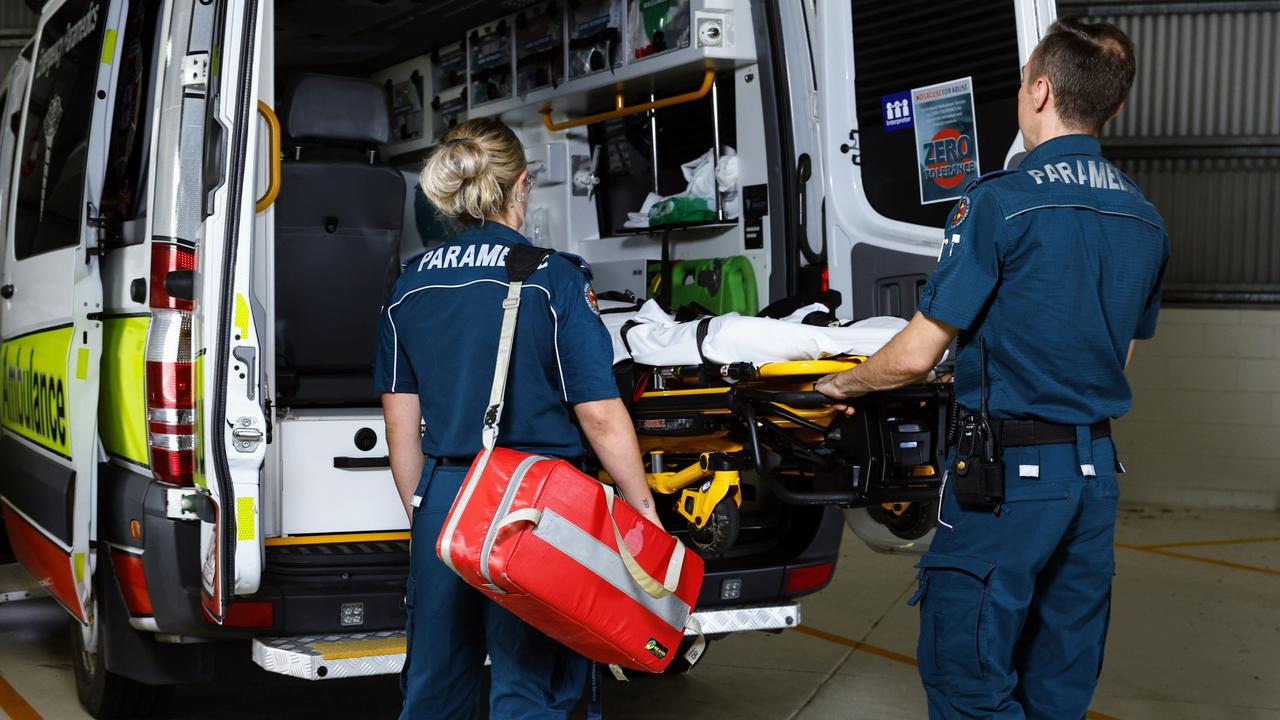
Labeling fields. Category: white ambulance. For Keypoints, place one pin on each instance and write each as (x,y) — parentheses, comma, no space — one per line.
(203,202)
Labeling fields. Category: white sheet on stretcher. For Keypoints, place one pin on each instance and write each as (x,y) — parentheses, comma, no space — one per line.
(659,340)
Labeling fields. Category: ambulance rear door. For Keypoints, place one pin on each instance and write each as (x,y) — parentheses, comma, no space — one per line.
(50,326)
(231,435)
(916,99)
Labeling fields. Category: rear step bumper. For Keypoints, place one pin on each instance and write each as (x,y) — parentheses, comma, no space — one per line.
(325,657)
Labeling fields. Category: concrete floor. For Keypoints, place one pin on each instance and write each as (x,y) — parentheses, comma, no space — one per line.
(1195,634)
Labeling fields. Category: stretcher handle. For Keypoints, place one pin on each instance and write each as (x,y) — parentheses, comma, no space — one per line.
(793,398)
(645,581)
(784,493)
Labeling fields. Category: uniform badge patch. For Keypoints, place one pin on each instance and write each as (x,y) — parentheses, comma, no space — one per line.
(961,212)
(589,293)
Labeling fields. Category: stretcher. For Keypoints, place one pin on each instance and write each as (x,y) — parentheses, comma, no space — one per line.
(717,434)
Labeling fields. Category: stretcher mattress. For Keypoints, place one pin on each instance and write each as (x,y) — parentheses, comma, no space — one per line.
(655,338)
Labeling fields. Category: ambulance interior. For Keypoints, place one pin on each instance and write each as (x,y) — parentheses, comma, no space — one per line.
(363,90)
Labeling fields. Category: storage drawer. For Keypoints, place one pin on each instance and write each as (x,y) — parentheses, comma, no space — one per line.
(328,483)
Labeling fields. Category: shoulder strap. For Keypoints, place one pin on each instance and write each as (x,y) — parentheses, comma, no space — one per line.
(522,261)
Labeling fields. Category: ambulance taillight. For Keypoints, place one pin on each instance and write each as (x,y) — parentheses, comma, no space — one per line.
(171,408)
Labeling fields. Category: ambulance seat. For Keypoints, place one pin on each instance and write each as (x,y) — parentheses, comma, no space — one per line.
(339,218)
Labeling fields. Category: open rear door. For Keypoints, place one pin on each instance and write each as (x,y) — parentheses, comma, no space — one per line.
(231,423)
(918,98)
(50,327)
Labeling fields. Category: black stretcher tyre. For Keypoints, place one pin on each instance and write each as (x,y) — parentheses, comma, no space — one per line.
(912,524)
(721,530)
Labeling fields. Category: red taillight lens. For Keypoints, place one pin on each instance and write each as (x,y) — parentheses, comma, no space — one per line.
(826,278)
(812,577)
(171,405)
(166,258)
(249,615)
(133,582)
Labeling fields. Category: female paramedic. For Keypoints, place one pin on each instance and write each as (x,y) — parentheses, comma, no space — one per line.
(438,340)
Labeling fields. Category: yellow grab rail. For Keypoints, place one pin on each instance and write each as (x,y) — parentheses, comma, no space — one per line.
(621,109)
(273,174)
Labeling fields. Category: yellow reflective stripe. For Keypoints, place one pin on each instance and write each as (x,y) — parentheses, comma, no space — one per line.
(242,316)
(197,473)
(36,402)
(77,561)
(122,399)
(348,537)
(359,648)
(109,46)
(82,363)
(245,519)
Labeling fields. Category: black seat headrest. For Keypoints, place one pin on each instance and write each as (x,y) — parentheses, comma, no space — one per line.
(330,107)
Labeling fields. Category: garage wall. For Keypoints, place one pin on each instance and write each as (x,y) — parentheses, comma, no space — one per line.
(17,24)
(1205,425)
(1201,135)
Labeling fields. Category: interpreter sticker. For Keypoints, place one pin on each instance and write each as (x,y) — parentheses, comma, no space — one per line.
(897,110)
(946,139)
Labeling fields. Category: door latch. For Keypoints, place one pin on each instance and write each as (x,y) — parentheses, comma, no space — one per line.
(244,436)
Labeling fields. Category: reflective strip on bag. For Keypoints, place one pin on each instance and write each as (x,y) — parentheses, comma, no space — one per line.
(600,559)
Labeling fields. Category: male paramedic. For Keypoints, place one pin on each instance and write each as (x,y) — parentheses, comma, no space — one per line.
(1048,273)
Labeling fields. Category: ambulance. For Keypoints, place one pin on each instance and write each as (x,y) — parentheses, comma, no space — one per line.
(204,202)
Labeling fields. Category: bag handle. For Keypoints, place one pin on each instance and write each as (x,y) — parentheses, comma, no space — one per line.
(644,580)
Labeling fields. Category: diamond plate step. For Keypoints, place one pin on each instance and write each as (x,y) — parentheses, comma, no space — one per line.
(325,657)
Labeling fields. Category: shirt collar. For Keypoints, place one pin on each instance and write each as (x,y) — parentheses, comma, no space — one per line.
(1063,145)
(472,231)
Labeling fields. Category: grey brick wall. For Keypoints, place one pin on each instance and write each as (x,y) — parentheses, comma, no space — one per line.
(1205,425)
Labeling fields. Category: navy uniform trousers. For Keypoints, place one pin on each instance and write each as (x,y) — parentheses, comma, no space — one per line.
(1014,607)
(450,626)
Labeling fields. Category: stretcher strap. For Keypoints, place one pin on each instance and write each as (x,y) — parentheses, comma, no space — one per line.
(644,580)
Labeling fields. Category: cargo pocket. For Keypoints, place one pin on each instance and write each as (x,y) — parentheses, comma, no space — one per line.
(409,603)
(952,597)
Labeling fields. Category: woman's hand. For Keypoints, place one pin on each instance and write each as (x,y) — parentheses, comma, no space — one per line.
(645,508)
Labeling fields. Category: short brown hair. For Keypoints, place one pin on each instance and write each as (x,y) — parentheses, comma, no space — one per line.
(1091,67)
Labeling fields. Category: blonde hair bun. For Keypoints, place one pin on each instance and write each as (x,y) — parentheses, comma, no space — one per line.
(472,173)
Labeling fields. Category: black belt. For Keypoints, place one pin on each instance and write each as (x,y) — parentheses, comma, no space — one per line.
(467,461)
(454,461)
(1021,433)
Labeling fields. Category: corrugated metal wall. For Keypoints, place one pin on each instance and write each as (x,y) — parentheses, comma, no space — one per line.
(1201,135)
(17,23)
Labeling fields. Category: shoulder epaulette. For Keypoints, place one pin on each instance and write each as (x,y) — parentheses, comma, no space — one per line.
(578,261)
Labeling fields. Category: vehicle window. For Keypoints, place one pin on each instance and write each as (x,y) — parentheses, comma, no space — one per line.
(54,147)
(125,181)
(915,43)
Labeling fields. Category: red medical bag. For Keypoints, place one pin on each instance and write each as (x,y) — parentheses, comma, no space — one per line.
(551,545)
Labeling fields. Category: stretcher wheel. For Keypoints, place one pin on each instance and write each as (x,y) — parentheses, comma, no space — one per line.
(721,530)
(911,523)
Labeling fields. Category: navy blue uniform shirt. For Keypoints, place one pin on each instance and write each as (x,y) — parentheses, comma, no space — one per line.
(439,338)
(1058,266)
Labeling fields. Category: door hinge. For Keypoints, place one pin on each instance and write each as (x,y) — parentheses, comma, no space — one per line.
(195,71)
(853,148)
(244,436)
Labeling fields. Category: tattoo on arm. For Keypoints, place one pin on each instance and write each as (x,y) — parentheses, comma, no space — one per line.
(645,502)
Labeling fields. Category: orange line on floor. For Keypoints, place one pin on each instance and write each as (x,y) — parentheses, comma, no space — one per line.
(1206,543)
(14,705)
(1211,561)
(891,655)
(857,645)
